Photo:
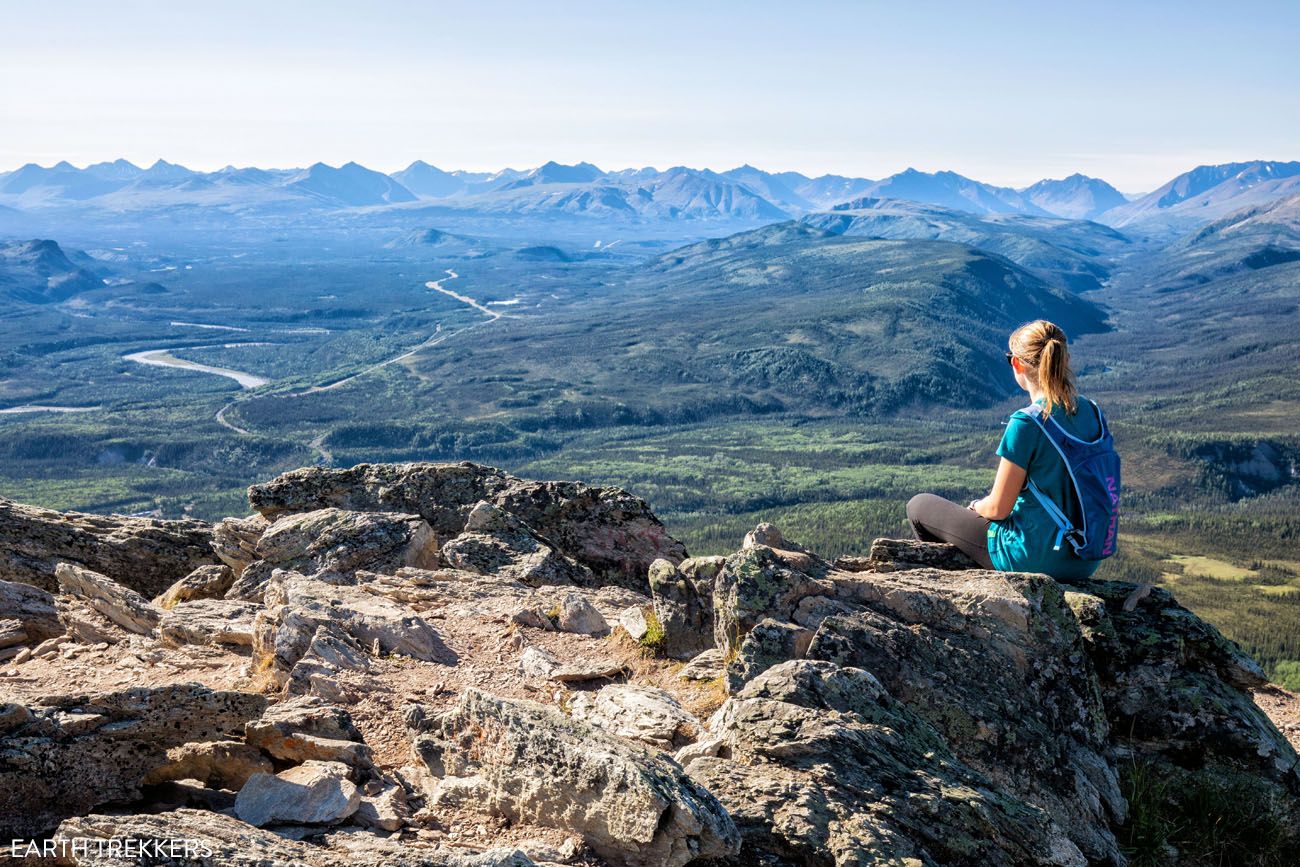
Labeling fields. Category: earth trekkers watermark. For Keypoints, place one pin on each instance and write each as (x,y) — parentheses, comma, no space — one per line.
(109,847)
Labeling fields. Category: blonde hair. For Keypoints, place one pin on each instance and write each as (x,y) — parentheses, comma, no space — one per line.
(1041,345)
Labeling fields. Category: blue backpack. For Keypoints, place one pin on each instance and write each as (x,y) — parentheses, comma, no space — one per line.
(1094,472)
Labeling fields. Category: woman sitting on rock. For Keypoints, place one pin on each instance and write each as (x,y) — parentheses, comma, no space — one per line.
(1040,498)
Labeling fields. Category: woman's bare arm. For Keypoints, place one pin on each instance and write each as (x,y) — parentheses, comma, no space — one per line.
(1006,487)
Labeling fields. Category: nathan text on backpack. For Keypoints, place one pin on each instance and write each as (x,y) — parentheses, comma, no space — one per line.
(1094,473)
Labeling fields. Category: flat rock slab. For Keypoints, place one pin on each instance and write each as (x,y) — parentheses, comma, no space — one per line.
(311,793)
(209,621)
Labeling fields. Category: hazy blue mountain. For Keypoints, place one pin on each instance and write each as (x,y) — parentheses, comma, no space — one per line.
(555,173)
(826,190)
(350,184)
(1072,253)
(774,188)
(439,242)
(677,193)
(951,190)
(1077,197)
(1249,240)
(426,180)
(35,183)
(39,272)
(1207,193)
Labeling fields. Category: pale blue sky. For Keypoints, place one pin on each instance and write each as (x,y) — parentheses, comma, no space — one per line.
(1006,92)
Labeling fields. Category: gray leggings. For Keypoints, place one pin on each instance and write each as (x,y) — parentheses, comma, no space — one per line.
(935,519)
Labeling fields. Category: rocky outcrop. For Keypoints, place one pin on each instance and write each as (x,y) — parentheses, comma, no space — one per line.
(69,754)
(683,604)
(528,762)
(302,611)
(333,544)
(819,765)
(608,530)
(144,554)
(768,707)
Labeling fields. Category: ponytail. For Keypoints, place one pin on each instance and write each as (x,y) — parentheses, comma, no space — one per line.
(1042,346)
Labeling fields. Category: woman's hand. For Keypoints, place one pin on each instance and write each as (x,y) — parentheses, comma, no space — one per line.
(1006,488)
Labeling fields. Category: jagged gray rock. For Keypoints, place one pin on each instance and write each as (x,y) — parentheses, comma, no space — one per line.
(825,768)
(209,621)
(32,610)
(332,544)
(1175,692)
(683,604)
(234,541)
(995,662)
(201,838)
(312,793)
(608,530)
(298,606)
(632,807)
(144,554)
(305,728)
(69,754)
(897,555)
(118,603)
(640,713)
(496,542)
(759,582)
(205,582)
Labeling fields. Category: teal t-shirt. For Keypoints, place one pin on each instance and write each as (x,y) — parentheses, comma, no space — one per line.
(1022,542)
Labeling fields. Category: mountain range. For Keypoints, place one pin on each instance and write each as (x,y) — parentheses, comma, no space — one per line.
(744,194)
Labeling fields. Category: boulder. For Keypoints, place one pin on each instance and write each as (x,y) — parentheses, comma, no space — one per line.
(635,621)
(305,728)
(384,810)
(118,603)
(577,614)
(205,582)
(756,583)
(1177,696)
(496,542)
(533,764)
(640,713)
(234,541)
(30,613)
(608,530)
(68,754)
(770,642)
(823,767)
(311,793)
(219,764)
(709,665)
(209,621)
(683,604)
(537,663)
(144,554)
(995,662)
(333,544)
